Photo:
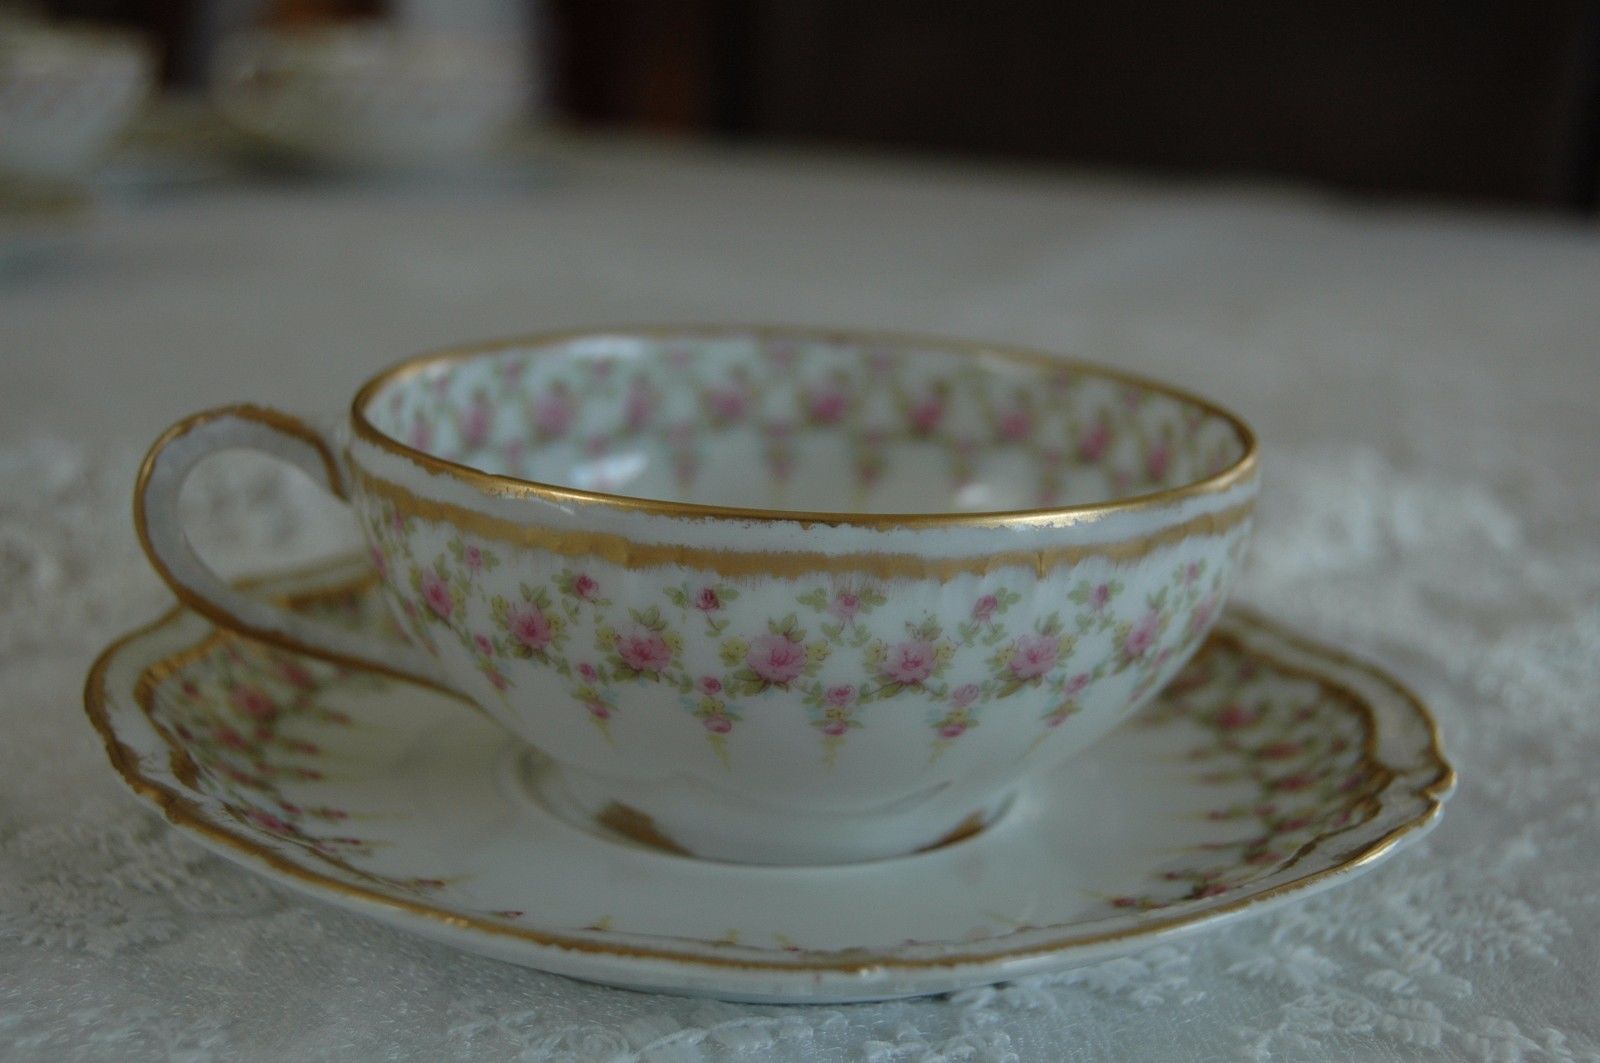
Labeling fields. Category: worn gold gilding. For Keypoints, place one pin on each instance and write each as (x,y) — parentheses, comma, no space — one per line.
(626,553)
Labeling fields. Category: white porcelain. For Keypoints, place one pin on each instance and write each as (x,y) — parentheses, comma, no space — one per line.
(882,659)
(66,94)
(1271,768)
(369,94)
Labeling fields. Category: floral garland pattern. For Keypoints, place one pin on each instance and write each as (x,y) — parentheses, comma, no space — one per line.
(247,718)
(1287,751)
(1304,769)
(836,647)
(577,420)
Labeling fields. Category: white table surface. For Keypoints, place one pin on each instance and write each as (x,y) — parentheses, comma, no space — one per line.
(1425,382)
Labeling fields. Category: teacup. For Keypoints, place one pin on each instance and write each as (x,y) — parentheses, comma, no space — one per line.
(366,94)
(779,595)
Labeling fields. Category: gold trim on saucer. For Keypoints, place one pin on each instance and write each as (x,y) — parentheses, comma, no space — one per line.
(184,812)
(513,487)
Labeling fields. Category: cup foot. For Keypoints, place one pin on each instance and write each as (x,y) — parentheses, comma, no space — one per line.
(684,820)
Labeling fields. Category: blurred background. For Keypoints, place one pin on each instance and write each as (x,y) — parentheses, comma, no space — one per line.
(1493,101)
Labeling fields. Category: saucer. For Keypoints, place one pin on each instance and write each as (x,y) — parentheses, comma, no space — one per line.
(1271,767)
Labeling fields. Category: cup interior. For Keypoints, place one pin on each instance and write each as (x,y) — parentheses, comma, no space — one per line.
(801,422)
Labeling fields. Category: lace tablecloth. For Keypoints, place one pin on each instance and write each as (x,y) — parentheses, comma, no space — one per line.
(1425,383)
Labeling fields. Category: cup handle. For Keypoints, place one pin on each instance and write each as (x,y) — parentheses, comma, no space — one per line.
(156,519)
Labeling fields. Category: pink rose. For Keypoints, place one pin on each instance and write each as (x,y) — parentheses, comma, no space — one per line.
(472,557)
(267,821)
(475,426)
(1015,425)
(1092,444)
(925,414)
(1141,636)
(485,647)
(530,627)
(1235,716)
(726,404)
(1075,685)
(587,673)
(909,662)
(1156,462)
(964,695)
(598,709)
(1100,596)
(585,587)
(845,605)
(707,601)
(827,406)
(984,608)
(1034,655)
(296,675)
(552,415)
(1201,617)
(834,727)
(718,725)
(644,651)
(840,696)
(1279,750)
(228,737)
(776,659)
(641,404)
(711,685)
(436,593)
(497,679)
(952,730)
(254,702)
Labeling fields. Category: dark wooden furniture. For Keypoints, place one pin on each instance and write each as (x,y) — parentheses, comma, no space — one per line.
(1482,100)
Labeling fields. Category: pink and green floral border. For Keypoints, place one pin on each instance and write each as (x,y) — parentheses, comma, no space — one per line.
(804,410)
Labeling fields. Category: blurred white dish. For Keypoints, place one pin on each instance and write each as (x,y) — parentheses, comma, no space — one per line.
(368,95)
(66,94)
